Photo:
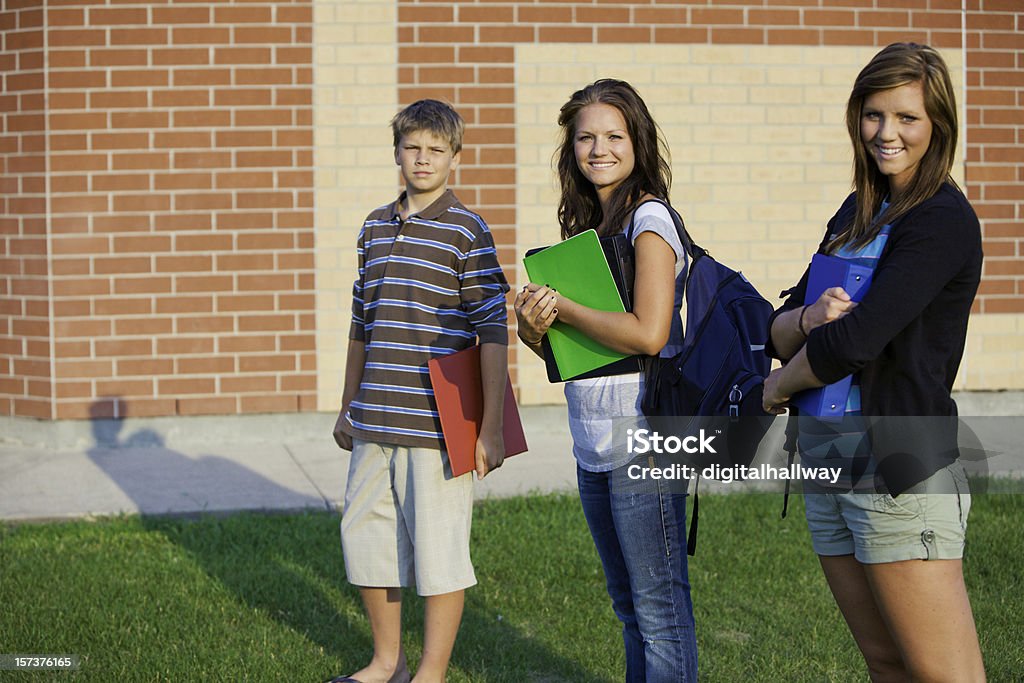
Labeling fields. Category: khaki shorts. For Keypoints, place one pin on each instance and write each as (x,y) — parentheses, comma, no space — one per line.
(928,522)
(406,521)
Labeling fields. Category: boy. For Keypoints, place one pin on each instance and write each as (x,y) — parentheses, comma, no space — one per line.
(429,283)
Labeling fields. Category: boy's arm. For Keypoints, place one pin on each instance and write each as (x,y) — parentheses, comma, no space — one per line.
(355,361)
(490,446)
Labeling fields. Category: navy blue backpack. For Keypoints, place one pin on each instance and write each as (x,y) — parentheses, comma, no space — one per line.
(716,381)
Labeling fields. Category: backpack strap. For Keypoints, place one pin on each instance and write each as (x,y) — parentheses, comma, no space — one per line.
(792,432)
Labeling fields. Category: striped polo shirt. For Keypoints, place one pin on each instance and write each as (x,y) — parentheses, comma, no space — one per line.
(428,286)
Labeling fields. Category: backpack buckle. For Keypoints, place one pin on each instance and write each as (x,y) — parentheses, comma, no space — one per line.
(735,396)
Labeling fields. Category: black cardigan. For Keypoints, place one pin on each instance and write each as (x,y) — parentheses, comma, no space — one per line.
(906,337)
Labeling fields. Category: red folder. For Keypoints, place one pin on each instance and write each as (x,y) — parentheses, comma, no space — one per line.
(459,394)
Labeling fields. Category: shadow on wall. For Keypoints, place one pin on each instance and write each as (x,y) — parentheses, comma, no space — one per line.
(160,480)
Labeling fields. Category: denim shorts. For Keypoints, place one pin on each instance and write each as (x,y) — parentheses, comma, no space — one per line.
(928,522)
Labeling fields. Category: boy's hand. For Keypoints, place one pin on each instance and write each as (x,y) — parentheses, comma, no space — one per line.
(490,452)
(343,440)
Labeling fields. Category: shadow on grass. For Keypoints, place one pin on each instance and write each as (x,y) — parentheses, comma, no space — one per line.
(289,567)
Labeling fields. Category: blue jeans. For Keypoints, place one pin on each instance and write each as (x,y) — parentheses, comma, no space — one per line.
(641,539)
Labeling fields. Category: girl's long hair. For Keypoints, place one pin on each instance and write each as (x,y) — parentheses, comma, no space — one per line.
(896,65)
(578,207)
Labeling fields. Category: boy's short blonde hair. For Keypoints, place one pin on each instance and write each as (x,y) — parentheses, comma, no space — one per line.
(431,115)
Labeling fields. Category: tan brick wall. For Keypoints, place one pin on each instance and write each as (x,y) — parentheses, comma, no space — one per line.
(789,185)
(761,158)
(356,96)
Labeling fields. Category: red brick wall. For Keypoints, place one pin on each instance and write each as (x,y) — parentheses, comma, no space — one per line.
(179,209)
(465,52)
(25,380)
(157,187)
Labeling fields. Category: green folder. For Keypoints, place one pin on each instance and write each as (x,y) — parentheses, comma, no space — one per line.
(577,268)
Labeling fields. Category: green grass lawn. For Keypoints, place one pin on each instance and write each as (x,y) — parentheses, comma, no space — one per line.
(253,597)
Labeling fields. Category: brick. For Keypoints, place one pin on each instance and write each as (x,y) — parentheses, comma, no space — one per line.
(242,55)
(191,385)
(242,385)
(120,141)
(188,160)
(83,368)
(177,346)
(293,55)
(201,77)
(105,57)
(70,308)
(488,34)
(145,285)
(124,347)
(728,36)
(248,138)
(205,324)
(184,304)
(418,54)
(712,17)
(146,202)
(602,15)
(415,14)
(139,78)
(206,406)
(146,120)
(151,367)
(181,97)
(213,242)
(182,140)
(138,36)
(173,16)
(246,343)
(123,306)
(245,303)
(264,117)
(78,121)
(270,363)
(273,403)
(266,323)
(263,35)
(136,223)
(206,365)
(200,202)
(61,37)
(183,181)
(247,14)
(848,37)
(203,283)
(111,17)
(81,245)
(200,36)
(183,221)
(142,161)
(773,17)
(191,263)
(179,56)
(624,35)
(794,37)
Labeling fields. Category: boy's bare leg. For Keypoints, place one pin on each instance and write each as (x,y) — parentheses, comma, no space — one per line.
(442,616)
(384,609)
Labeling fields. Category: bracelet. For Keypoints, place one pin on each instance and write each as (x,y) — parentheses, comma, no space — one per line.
(526,341)
(801,323)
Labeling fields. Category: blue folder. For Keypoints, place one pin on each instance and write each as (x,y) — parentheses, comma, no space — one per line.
(828,403)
